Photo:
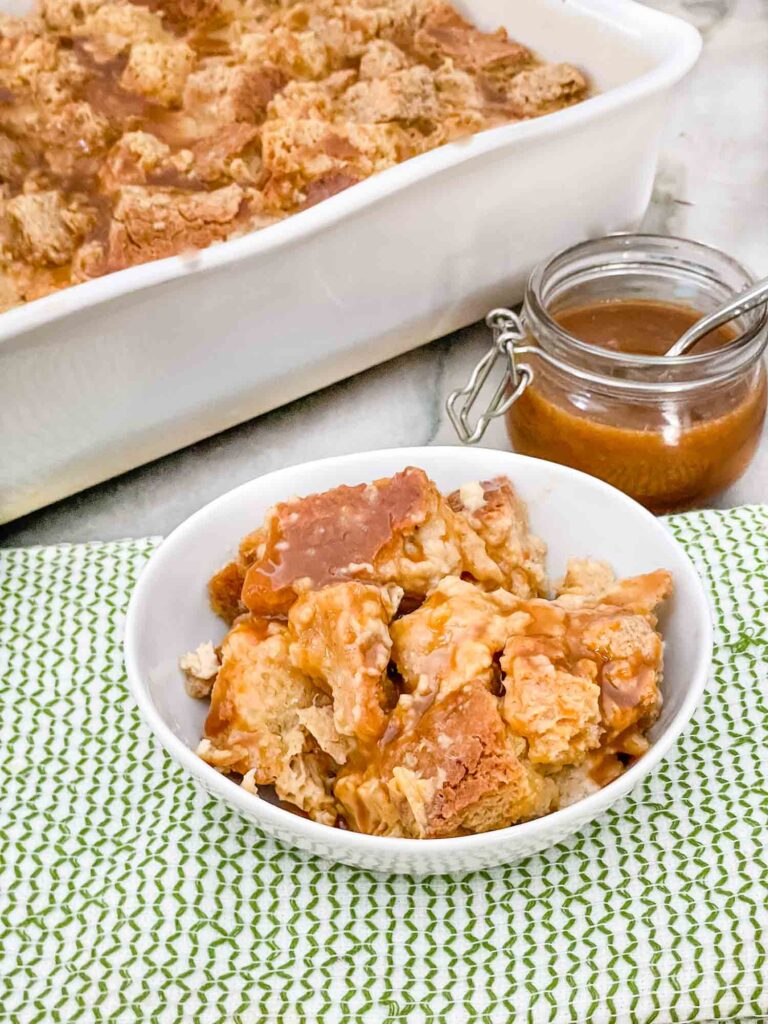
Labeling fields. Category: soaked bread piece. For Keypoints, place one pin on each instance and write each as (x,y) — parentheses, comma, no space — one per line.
(586,577)
(190,13)
(403,95)
(640,594)
(149,224)
(67,16)
(310,100)
(227,153)
(200,668)
(112,29)
(339,637)
(158,71)
(226,586)
(133,160)
(588,582)
(229,94)
(460,771)
(451,640)
(300,152)
(445,34)
(396,530)
(628,652)
(44,228)
(544,89)
(586,673)
(555,710)
(381,59)
(258,725)
(496,513)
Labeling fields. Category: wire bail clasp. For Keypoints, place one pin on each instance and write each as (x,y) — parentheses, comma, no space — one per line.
(508,330)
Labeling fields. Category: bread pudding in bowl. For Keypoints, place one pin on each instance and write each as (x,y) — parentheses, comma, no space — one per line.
(400,670)
(395,666)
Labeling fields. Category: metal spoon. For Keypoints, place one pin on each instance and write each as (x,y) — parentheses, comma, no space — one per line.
(743,302)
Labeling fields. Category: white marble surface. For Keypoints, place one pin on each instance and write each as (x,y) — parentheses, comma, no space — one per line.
(712,185)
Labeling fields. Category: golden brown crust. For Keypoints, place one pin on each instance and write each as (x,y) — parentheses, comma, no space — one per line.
(151,223)
(224,590)
(444,34)
(398,530)
(458,772)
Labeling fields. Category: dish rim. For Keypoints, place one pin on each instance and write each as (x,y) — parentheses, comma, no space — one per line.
(279,819)
(648,22)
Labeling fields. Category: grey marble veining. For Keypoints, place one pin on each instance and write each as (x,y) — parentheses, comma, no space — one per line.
(712,185)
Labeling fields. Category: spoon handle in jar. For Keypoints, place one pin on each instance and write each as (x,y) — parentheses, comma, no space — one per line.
(743,302)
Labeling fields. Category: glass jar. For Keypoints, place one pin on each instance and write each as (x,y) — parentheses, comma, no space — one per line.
(668,432)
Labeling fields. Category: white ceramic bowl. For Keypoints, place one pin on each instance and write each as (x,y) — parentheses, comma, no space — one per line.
(574,513)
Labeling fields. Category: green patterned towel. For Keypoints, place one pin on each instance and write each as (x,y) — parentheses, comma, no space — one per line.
(130,896)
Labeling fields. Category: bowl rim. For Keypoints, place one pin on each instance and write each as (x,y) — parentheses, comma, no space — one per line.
(678,45)
(282,821)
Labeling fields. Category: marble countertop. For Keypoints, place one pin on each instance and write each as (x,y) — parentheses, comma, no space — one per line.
(712,185)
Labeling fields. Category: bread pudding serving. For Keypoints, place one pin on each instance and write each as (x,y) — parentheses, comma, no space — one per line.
(398,664)
(135,131)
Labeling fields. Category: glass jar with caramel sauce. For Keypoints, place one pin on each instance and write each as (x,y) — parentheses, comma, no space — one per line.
(588,384)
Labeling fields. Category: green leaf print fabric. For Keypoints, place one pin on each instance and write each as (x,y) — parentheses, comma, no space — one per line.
(128,895)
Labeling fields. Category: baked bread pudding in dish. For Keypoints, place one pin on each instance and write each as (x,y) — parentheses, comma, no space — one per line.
(131,132)
(397,663)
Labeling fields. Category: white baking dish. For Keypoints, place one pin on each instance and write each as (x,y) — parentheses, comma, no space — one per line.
(115,372)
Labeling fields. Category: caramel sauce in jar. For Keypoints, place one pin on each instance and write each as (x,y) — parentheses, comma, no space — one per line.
(640,327)
(670,433)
